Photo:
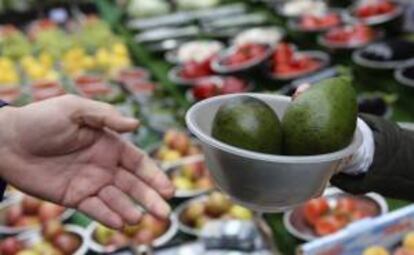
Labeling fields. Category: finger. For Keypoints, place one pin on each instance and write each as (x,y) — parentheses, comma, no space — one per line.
(98,210)
(142,193)
(302,88)
(120,203)
(99,115)
(138,163)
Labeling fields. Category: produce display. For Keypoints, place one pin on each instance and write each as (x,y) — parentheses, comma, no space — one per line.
(148,230)
(55,239)
(176,145)
(288,63)
(191,177)
(406,248)
(327,220)
(214,206)
(218,85)
(30,212)
(155,59)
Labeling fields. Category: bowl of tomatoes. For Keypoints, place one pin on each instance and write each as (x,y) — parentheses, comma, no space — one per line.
(191,71)
(218,85)
(242,59)
(287,63)
(343,40)
(308,26)
(332,212)
(385,14)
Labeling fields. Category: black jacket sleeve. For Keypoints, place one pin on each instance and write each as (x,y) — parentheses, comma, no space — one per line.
(392,172)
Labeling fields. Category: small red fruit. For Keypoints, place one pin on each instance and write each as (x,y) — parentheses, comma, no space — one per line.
(315,209)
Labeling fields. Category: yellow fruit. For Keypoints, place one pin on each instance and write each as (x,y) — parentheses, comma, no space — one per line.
(27,252)
(46,59)
(88,62)
(103,58)
(376,250)
(171,155)
(182,183)
(103,234)
(27,61)
(408,242)
(240,212)
(120,49)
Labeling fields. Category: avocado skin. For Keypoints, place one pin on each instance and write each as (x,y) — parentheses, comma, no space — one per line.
(248,123)
(322,119)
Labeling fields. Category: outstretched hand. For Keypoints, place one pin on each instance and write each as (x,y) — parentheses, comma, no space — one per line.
(68,150)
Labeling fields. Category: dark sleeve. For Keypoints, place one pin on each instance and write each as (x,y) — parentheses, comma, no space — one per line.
(392,172)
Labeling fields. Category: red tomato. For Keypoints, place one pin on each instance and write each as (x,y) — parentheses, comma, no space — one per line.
(204,90)
(314,209)
(233,85)
(283,53)
(346,205)
(359,215)
(330,224)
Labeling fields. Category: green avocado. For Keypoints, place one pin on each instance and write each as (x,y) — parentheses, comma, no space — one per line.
(248,123)
(322,119)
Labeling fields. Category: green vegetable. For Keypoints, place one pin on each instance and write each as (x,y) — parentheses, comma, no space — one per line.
(322,119)
(248,123)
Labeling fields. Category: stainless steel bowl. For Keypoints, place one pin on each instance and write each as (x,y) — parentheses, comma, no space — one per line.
(8,230)
(263,182)
(160,241)
(31,238)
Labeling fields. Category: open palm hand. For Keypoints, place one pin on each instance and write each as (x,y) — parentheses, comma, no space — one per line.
(68,150)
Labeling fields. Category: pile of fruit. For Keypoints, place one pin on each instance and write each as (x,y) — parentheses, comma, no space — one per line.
(369,8)
(218,85)
(357,34)
(326,219)
(176,145)
(31,211)
(216,206)
(55,241)
(192,177)
(287,62)
(245,53)
(149,229)
(406,247)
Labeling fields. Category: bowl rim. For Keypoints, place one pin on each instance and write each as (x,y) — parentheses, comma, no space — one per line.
(331,191)
(322,56)
(210,141)
(380,65)
(398,75)
(219,68)
(71,228)
(161,240)
(8,230)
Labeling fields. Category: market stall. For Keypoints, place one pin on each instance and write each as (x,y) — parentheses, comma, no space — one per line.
(154,59)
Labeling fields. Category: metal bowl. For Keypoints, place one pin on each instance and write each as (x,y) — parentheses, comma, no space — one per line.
(31,238)
(264,182)
(295,223)
(7,230)
(160,241)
